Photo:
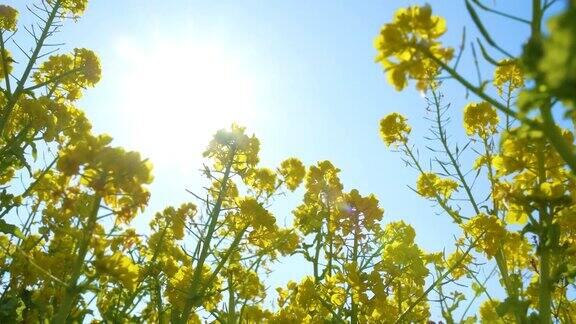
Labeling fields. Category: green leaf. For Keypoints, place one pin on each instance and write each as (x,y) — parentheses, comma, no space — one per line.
(485,54)
(10,229)
(482,29)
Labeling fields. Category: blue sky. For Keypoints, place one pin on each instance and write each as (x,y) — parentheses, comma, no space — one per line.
(299,74)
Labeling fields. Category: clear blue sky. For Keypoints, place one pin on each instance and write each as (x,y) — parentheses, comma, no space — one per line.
(300,74)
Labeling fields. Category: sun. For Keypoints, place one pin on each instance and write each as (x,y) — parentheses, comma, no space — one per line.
(177,92)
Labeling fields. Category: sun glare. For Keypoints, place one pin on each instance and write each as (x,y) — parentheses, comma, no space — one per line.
(176,94)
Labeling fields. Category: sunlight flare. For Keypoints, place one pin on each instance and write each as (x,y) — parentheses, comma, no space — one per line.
(177,93)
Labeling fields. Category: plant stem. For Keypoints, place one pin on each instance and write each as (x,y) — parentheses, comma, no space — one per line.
(444,140)
(354,308)
(70,293)
(192,297)
(552,132)
(231,302)
(7,111)
(545,289)
(4,58)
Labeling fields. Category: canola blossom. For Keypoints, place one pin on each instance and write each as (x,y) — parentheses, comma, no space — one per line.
(394,129)
(508,76)
(480,119)
(68,199)
(401,42)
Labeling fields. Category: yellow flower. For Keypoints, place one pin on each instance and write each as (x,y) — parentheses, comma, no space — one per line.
(400,44)
(553,190)
(263,180)
(488,231)
(257,215)
(288,241)
(308,217)
(480,119)
(322,182)
(508,73)
(7,58)
(119,267)
(90,65)
(255,314)
(74,7)
(245,149)
(8,18)
(430,185)
(293,172)
(176,218)
(489,315)
(119,177)
(517,250)
(357,213)
(516,215)
(246,282)
(394,129)
(72,72)
(459,262)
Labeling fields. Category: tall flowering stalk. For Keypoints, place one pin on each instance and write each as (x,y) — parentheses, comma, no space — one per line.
(530,175)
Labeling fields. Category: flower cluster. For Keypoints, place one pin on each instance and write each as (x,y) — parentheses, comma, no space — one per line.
(234,143)
(263,180)
(404,45)
(323,186)
(480,119)
(394,130)
(358,214)
(120,267)
(73,7)
(68,74)
(119,177)
(508,73)
(8,18)
(293,172)
(489,232)
(430,185)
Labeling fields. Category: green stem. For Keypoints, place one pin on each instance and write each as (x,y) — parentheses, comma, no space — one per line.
(485,291)
(536,23)
(510,291)
(231,302)
(71,291)
(445,309)
(552,132)
(354,308)
(500,13)
(222,262)
(329,237)
(316,260)
(5,63)
(491,176)
(500,257)
(545,289)
(453,161)
(54,80)
(159,305)
(192,297)
(545,301)
(548,127)
(7,111)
